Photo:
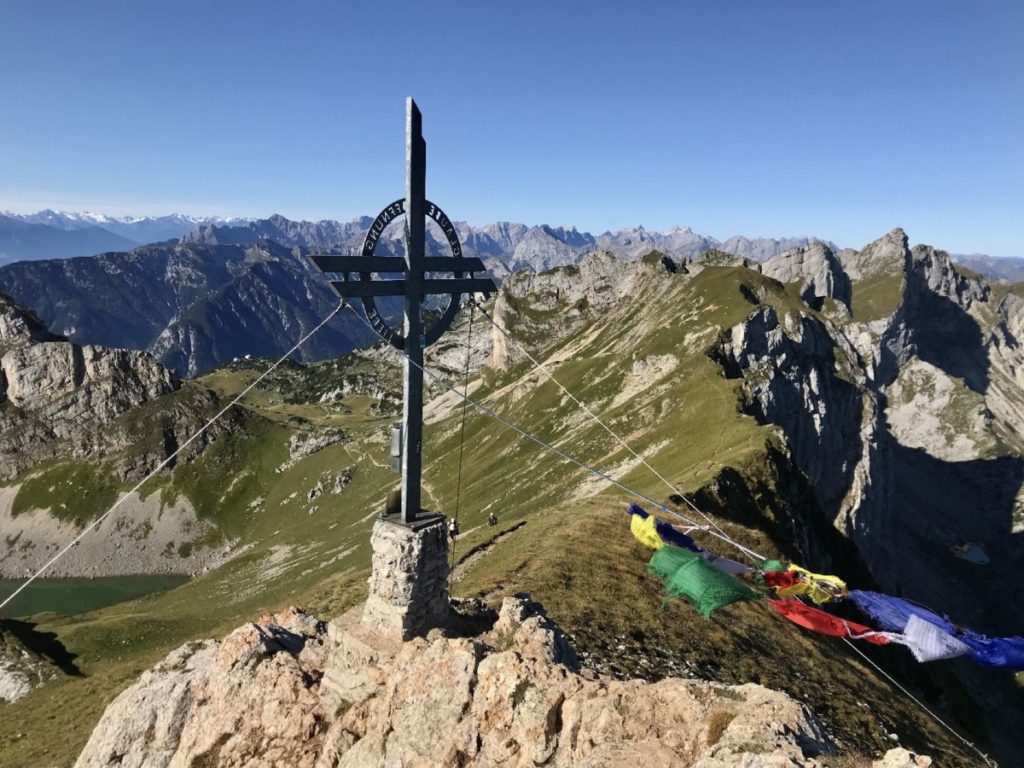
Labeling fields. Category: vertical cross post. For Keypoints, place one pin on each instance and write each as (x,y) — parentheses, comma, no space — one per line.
(409,582)
(413,288)
(412,409)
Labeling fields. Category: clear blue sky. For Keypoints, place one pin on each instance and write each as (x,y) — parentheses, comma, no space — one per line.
(768,117)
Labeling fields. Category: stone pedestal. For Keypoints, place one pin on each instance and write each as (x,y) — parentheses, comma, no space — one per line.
(409,583)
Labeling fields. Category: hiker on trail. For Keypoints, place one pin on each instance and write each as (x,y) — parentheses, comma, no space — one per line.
(492,519)
(453,529)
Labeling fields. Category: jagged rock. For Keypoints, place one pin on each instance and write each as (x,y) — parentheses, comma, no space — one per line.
(62,383)
(942,277)
(902,758)
(21,668)
(817,270)
(577,292)
(791,371)
(19,326)
(886,256)
(283,691)
(343,479)
(537,637)
(59,396)
(14,681)
(248,700)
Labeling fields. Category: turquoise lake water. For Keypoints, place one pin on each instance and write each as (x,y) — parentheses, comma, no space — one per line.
(68,596)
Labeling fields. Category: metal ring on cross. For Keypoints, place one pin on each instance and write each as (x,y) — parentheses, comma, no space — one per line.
(384,218)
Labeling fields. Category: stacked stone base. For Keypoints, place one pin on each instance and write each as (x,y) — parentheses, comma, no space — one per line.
(409,583)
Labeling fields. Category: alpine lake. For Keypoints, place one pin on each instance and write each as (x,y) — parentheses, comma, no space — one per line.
(79,595)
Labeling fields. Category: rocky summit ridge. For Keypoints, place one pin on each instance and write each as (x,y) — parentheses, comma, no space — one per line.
(505,691)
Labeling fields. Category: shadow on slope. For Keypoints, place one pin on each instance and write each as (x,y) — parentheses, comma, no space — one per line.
(43,644)
(941,504)
(945,335)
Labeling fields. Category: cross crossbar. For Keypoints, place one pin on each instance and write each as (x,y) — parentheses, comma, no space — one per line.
(361,289)
(411,288)
(330,263)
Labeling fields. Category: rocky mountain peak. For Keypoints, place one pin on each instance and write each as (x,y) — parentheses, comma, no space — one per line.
(888,255)
(20,326)
(942,277)
(816,268)
(505,690)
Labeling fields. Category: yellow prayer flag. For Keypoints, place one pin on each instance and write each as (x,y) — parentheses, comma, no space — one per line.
(819,587)
(645,532)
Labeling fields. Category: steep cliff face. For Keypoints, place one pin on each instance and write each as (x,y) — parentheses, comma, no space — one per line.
(906,420)
(817,271)
(800,376)
(56,396)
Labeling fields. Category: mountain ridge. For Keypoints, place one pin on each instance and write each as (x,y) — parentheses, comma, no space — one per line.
(495,242)
(779,397)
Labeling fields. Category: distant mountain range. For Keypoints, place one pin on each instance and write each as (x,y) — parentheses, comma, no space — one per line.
(220,288)
(505,246)
(60,235)
(1010,269)
(23,240)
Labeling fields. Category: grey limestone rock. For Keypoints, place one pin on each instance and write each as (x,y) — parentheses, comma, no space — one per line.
(283,691)
(815,268)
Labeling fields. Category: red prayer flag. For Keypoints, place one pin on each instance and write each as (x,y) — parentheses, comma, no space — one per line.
(818,620)
(781,579)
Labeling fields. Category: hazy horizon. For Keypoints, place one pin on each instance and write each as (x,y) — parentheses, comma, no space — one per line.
(840,122)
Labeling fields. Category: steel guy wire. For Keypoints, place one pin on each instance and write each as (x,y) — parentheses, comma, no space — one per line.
(553,449)
(598,420)
(462,442)
(170,458)
(988,761)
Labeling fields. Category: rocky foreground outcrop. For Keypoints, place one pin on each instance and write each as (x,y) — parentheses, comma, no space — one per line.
(293,691)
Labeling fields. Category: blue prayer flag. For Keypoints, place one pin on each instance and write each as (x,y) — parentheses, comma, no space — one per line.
(671,536)
(1002,652)
(892,613)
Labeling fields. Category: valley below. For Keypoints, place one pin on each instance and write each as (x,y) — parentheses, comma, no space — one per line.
(858,412)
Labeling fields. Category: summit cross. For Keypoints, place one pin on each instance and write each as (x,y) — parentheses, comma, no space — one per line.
(414,286)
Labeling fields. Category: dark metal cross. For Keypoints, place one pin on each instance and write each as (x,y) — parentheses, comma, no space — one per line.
(414,287)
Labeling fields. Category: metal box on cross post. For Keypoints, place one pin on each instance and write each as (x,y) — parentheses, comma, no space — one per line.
(361,277)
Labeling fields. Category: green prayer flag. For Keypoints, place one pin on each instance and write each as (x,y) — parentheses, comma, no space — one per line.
(687,574)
